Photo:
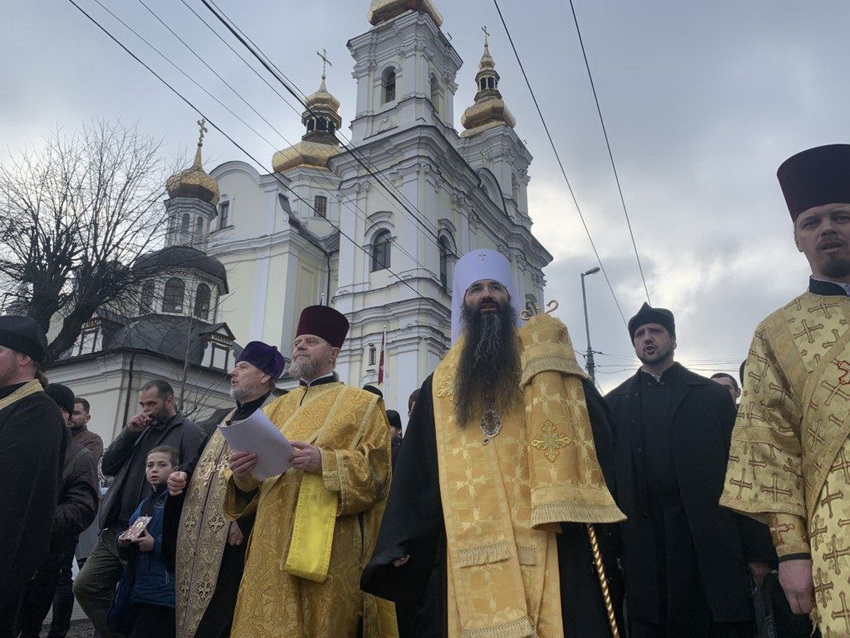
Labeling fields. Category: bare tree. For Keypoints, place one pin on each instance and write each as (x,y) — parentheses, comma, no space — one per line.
(75,216)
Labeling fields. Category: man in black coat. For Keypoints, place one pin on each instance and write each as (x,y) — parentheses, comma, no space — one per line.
(75,511)
(685,559)
(158,423)
(32,449)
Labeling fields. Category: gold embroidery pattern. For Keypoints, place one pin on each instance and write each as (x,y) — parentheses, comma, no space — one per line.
(447,389)
(550,441)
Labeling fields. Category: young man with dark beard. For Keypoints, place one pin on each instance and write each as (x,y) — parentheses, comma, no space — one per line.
(507,453)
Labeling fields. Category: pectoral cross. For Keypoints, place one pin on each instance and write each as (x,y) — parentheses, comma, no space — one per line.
(325,62)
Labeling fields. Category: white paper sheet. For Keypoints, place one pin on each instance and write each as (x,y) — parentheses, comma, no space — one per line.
(259,435)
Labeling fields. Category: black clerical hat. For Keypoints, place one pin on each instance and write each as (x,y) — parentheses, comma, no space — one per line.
(23,334)
(648,314)
(815,177)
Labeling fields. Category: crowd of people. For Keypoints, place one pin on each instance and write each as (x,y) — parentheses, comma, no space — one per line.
(520,502)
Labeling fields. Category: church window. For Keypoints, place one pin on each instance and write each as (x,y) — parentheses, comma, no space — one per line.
(185,229)
(322,124)
(321,205)
(381,250)
(388,86)
(202,302)
(435,93)
(199,230)
(445,253)
(330,127)
(311,125)
(224,214)
(491,83)
(146,301)
(483,84)
(172,300)
(372,354)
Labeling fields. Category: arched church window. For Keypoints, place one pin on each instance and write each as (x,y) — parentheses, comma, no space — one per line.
(372,354)
(491,83)
(202,302)
(445,253)
(388,86)
(172,300)
(381,250)
(185,225)
(322,124)
(435,93)
(483,84)
(311,124)
(146,301)
(330,127)
(199,230)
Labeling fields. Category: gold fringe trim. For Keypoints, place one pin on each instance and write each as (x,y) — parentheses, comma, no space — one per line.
(571,512)
(541,359)
(520,628)
(526,555)
(493,553)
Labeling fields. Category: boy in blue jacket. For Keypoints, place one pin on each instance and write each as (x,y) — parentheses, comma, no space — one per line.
(148,580)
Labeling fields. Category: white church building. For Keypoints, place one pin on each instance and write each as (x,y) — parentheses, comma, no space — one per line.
(371,227)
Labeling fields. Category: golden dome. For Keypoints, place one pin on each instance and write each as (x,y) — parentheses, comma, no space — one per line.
(194,182)
(489,109)
(304,153)
(322,97)
(382,11)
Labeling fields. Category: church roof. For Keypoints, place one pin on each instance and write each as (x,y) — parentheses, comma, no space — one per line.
(185,257)
(489,109)
(381,11)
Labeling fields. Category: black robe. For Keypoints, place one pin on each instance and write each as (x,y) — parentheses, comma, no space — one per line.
(707,547)
(33,437)
(413,524)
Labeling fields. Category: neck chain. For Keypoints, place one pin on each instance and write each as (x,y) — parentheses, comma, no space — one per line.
(491,422)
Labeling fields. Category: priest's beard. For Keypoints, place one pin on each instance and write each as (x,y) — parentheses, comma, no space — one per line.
(306,368)
(836,267)
(489,363)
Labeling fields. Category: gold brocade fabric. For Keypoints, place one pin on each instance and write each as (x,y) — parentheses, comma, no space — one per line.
(202,535)
(790,454)
(503,575)
(348,425)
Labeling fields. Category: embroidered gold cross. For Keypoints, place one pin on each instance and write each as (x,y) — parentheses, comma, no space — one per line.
(822,587)
(550,441)
(844,614)
(741,484)
(844,366)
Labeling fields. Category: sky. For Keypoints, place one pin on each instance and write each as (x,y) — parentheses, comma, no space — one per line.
(702,102)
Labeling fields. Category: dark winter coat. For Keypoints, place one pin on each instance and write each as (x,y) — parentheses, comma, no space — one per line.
(33,438)
(126,457)
(78,499)
(703,414)
(153,582)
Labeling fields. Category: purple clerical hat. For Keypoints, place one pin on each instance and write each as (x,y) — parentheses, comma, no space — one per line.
(263,356)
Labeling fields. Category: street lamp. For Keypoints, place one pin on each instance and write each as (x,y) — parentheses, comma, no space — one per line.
(591,368)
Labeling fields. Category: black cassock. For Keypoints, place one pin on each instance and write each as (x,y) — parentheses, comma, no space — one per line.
(413,524)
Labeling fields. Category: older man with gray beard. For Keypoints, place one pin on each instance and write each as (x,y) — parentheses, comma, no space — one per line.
(210,554)
(507,453)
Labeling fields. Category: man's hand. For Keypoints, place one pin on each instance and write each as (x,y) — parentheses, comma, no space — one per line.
(144,542)
(795,576)
(235,535)
(242,463)
(177,483)
(757,570)
(139,423)
(306,457)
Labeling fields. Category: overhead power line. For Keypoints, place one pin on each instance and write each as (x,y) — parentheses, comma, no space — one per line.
(560,163)
(223,132)
(610,153)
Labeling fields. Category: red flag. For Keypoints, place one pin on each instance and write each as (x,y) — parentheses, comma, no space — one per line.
(381,359)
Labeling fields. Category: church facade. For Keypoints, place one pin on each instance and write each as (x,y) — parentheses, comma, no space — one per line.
(372,226)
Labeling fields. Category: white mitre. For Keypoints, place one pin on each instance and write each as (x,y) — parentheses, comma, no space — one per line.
(475,266)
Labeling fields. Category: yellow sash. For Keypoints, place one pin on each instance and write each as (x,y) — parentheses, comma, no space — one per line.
(309,552)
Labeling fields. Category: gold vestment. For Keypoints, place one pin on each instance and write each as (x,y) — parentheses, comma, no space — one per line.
(202,536)
(350,429)
(503,496)
(789,462)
